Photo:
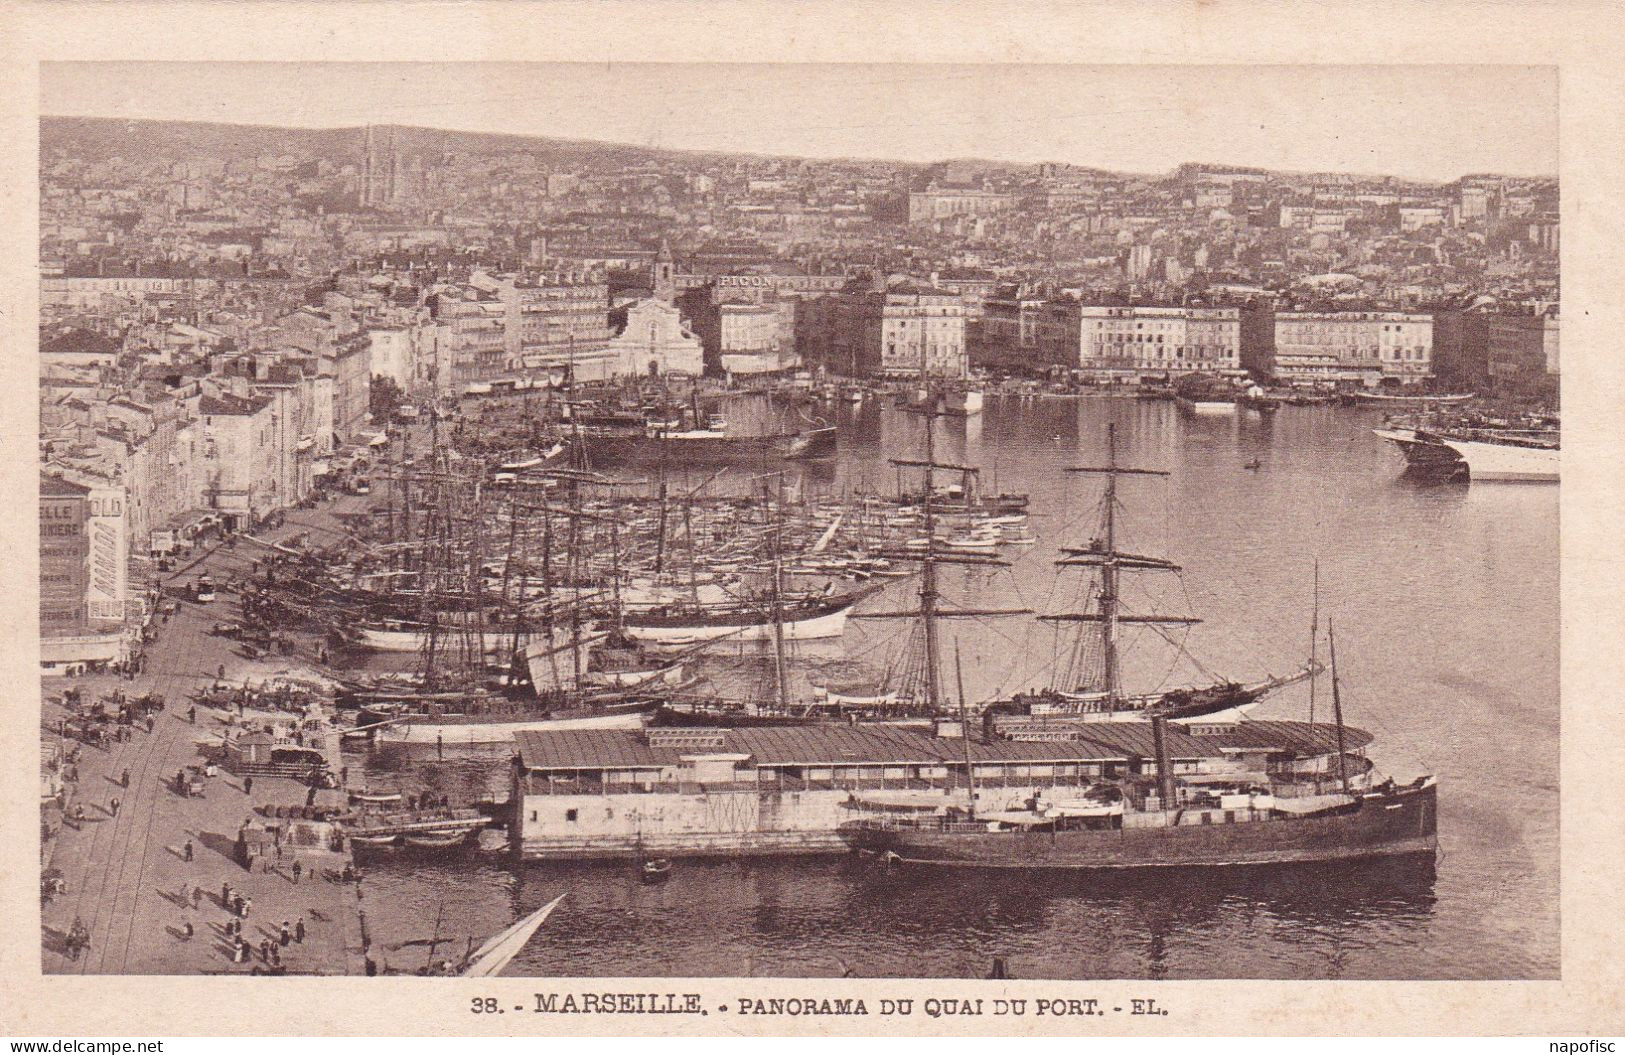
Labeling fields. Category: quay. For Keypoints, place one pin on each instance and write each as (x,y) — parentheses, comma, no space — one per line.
(126,876)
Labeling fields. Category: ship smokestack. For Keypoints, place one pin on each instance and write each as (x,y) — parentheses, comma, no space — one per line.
(1165,766)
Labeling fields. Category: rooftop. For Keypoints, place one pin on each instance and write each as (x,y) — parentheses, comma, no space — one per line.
(878,745)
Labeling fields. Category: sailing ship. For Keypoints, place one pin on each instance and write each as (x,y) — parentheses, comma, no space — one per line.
(1097,693)
(457,697)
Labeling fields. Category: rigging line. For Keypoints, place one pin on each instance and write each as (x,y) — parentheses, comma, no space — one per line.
(1183,652)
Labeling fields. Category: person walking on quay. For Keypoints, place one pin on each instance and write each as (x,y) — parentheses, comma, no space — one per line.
(248,903)
(113,805)
(124,779)
(221,672)
(265,949)
(248,785)
(186,853)
(299,931)
(191,714)
(225,894)
(236,904)
(187,931)
(286,934)
(197,894)
(297,870)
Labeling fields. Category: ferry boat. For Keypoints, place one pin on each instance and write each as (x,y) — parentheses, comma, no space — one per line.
(1248,828)
(613,440)
(1274,810)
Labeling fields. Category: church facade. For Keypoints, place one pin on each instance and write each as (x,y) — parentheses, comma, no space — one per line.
(654,340)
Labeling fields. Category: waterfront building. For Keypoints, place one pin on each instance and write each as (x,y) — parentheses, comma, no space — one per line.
(1461,350)
(64,557)
(390,353)
(548,320)
(351,369)
(1522,351)
(1024,331)
(653,338)
(1365,347)
(652,342)
(68,636)
(238,457)
(896,332)
(743,339)
(1127,343)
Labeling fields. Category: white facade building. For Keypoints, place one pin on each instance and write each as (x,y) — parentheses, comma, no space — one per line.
(1117,341)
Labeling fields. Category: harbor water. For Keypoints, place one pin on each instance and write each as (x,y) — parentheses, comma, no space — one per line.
(1444,600)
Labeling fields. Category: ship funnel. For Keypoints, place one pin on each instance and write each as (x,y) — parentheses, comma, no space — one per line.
(1165,765)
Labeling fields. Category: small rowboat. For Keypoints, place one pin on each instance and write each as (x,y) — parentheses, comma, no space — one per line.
(657,870)
(379,798)
(437,841)
(373,842)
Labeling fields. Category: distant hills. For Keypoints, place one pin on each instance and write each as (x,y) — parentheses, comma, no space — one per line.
(107,137)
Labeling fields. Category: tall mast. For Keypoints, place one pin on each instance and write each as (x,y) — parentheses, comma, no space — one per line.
(688,535)
(1109,576)
(928,567)
(575,583)
(964,734)
(1314,644)
(779,670)
(1103,553)
(1337,711)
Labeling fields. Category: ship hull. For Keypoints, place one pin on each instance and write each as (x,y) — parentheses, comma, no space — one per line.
(747,628)
(416,640)
(1207,406)
(1500,461)
(453,733)
(710,450)
(1398,823)
(1420,452)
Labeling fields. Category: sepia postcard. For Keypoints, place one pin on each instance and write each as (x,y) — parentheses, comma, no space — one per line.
(833,519)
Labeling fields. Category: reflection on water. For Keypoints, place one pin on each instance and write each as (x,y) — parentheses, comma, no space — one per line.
(1445,602)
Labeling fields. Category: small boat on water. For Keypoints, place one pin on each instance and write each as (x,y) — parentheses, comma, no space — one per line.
(449,841)
(374,842)
(656,870)
(1199,394)
(1386,399)
(375,798)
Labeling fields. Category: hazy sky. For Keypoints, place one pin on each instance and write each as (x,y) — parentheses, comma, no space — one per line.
(1434,122)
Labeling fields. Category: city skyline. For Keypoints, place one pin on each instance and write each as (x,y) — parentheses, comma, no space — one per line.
(1457,120)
